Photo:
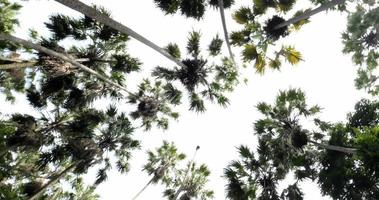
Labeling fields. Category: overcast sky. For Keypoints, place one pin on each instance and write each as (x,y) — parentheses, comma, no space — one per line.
(326,75)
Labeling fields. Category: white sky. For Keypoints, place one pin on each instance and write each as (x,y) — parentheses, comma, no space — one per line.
(326,76)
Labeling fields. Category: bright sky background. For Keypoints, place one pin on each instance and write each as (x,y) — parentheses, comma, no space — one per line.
(326,75)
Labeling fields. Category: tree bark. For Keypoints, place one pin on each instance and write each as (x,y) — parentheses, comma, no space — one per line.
(226,35)
(335,148)
(60,56)
(54,180)
(143,189)
(18,65)
(308,14)
(94,14)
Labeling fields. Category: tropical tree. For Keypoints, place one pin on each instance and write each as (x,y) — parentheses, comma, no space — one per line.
(340,157)
(361,39)
(181,183)
(161,164)
(255,178)
(189,183)
(215,79)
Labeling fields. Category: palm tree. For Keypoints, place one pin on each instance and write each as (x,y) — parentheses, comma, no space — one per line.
(196,75)
(251,178)
(95,14)
(308,14)
(226,34)
(160,164)
(282,122)
(189,182)
(60,56)
(54,180)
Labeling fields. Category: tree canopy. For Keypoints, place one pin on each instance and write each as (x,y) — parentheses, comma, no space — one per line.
(84,59)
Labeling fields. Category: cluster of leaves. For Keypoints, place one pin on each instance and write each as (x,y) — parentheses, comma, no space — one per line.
(344,163)
(189,8)
(250,178)
(8,21)
(361,39)
(154,101)
(180,183)
(199,78)
(259,36)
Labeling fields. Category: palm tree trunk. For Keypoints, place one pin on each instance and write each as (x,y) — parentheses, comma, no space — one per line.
(226,35)
(308,14)
(177,193)
(60,56)
(54,180)
(185,176)
(143,189)
(335,148)
(33,63)
(18,65)
(95,14)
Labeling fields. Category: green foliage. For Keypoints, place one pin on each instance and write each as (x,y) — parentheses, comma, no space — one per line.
(163,162)
(214,47)
(261,32)
(367,142)
(154,102)
(173,50)
(8,19)
(243,15)
(201,80)
(361,40)
(190,8)
(180,183)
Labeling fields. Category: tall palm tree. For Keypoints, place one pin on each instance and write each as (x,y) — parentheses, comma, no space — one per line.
(160,164)
(54,180)
(50,52)
(251,178)
(308,14)
(226,34)
(95,14)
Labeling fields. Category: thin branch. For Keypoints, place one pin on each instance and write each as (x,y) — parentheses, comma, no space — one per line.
(62,57)
(308,14)
(95,14)
(226,35)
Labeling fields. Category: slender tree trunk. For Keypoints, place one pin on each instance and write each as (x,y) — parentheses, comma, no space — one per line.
(18,65)
(54,180)
(226,35)
(178,193)
(185,176)
(95,14)
(308,14)
(33,63)
(60,56)
(143,189)
(335,148)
